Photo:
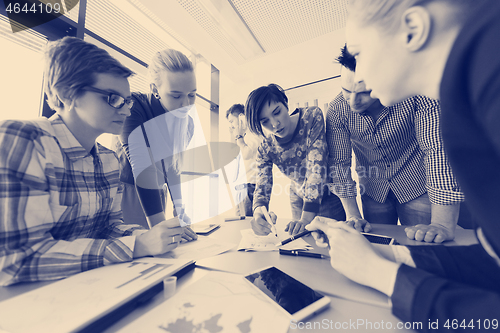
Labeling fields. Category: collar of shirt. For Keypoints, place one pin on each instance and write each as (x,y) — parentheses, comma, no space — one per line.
(67,141)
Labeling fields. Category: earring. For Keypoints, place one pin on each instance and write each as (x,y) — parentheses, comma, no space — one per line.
(156,95)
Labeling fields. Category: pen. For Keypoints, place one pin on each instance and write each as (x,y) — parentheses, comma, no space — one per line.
(303,254)
(234,218)
(268,219)
(288,240)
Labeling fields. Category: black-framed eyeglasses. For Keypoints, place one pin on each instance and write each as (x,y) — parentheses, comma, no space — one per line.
(114,100)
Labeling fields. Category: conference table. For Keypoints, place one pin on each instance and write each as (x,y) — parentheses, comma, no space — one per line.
(352,307)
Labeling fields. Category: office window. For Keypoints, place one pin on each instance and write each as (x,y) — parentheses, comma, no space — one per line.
(22,72)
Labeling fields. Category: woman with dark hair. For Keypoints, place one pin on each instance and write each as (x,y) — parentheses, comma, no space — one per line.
(296,144)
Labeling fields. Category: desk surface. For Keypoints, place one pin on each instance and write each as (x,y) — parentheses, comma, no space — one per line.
(316,273)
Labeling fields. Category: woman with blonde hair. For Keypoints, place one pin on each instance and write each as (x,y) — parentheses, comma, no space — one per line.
(153,139)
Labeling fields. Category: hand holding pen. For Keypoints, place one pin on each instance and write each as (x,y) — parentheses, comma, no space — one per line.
(262,225)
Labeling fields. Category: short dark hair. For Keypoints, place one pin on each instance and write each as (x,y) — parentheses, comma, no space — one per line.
(256,101)
(235,110)
(71,65)
(346,59)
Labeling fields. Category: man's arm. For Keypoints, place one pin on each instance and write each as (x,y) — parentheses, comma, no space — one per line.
(340,152)
(339,164)
(442,186)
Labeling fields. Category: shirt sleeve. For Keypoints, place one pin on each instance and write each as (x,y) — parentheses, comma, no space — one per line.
(340,151)
(316,161)
(425,298)
(441,184)
(264,185)
(28,250)
(115,228)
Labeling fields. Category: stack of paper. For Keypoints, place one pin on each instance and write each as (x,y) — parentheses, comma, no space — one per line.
(251,242)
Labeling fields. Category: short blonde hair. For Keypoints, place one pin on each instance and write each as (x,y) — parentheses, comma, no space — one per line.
(168,60)
(70,65)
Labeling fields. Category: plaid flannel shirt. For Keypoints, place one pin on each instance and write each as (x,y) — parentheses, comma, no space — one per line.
(401,151)
(59,205)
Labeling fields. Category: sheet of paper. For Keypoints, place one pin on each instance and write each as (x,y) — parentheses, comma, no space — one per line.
(71,304)
(203,247)
(252,242)
(218,302)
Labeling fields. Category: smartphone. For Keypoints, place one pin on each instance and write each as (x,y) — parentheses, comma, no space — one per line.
(380,239)
(293,297)
(203,229)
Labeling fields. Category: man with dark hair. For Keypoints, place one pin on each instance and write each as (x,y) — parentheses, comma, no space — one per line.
(400,160)
(248,143)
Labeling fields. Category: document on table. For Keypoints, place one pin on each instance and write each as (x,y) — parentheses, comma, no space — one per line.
(218,302)
(203,247)
(252,242)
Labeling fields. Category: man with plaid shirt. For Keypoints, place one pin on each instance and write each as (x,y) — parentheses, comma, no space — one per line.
(400,160)
(59,190)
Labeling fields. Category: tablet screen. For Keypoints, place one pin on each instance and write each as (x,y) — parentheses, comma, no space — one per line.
(289,293)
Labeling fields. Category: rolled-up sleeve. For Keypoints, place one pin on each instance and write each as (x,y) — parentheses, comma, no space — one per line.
(442,186)
(340,151)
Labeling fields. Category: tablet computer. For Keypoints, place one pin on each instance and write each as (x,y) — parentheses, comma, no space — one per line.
(293,297)
(380,239)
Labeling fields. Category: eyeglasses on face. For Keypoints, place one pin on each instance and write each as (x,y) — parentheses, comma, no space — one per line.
(114,100)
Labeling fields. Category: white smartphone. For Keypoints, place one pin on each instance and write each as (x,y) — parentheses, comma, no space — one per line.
(295,298)
(203,229)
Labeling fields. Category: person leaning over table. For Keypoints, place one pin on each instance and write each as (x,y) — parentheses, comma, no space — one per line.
(60,193)
(445,49)
(296,144)
(162,116)
(248,143)
(402,167)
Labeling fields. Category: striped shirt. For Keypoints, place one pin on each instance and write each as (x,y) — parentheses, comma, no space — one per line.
(401,151)
(59,205)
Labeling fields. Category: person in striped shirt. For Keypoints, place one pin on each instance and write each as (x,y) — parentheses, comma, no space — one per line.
(402,168)
(60,192)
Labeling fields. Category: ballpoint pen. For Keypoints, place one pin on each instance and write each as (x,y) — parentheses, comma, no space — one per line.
(268,219)
(303,254)
(288,240)
(234,218)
